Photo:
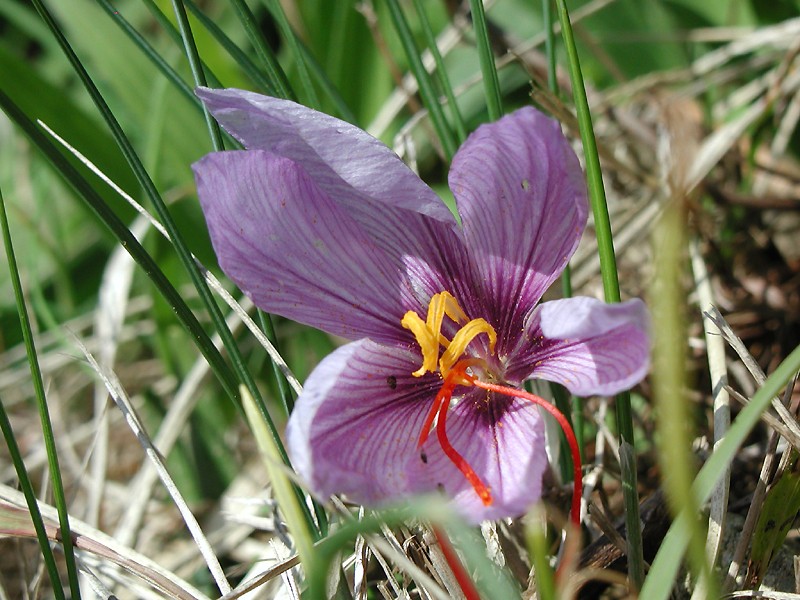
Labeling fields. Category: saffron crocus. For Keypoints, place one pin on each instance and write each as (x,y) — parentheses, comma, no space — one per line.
(321,223)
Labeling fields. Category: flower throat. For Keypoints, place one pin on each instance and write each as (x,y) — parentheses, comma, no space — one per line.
(457,371)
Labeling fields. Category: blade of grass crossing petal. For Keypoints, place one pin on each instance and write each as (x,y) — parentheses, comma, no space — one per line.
(169,224)
(236,53)
(608,270)
(287,399)
(429,96)
(664,567)
(282,486)
(441,72)
(151,53)
(16,456)
(310,97)
(199,75)
(274,71)
(491,83)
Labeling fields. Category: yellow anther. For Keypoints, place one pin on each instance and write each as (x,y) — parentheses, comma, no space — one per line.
(462,339)
(429,333)
(428,342)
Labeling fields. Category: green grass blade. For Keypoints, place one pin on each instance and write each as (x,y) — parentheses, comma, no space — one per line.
(8,433)
(170,30)
(429,95)
(665,566)
(608,270)
(277,77)
(290,503)
(44,413)
(309,97)
(190,48)
(441,72)
(491,83)
(327,86)
(236,53)
(151,53)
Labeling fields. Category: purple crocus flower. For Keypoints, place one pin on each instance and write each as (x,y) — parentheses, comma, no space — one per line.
(321,223)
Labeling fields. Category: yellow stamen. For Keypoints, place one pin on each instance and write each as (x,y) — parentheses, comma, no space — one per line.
(462,339)
(429,333)
(428,342)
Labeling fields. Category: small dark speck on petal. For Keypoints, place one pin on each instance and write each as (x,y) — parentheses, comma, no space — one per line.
(391,380)
(423,457)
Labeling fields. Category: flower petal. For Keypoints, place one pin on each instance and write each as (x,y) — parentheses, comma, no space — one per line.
(296,253)
(587,345)
(502,439)
(358,172)
(355,427)
(522,201)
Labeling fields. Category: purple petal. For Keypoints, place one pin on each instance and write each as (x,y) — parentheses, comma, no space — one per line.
(522,201)
(587,345)
(502,439)
(358,172)
(296,253)
(355,427)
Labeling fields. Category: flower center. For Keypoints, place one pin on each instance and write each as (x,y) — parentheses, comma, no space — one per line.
(454,370)
(429,334)
(457,371)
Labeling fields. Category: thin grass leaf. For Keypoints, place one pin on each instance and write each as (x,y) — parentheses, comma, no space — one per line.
(282,487)
(307,87)
(173,33)
(277,77)
(608,271)
(429,96)
(441,73)
(47,427)
(491,83)
(237,54)
(195,65)
(122,401)
(549,45)
(30,497)
(536,540)
(665,566)
(672,405)
(715,349)
(151,53)
(342,109)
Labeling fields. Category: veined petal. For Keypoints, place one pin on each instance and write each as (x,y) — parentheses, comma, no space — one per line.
(502,439)
(522,200)
(358,172)
(587,345)
(355,427)
(296,253)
